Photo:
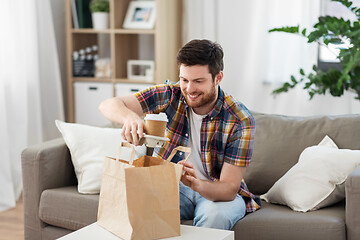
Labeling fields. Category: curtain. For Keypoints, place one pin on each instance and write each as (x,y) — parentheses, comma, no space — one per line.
(257,62)
(30,88)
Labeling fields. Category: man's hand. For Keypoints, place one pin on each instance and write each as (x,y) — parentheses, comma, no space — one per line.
(189,177)
(133,129)
(127,111)
(225,189)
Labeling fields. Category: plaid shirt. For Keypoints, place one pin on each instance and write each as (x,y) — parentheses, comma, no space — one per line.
(227,132)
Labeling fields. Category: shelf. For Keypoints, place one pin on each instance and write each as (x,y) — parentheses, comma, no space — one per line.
(91,79)
(134,31)
(90,30)
(117,31)
(160,45)
(125,80)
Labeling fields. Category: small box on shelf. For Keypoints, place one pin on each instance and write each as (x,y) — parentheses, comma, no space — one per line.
(83,68)
(141,70)
(84,62)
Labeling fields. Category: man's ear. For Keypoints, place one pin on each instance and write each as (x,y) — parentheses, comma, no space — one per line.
(219,77)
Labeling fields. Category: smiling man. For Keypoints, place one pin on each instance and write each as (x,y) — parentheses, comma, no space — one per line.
(218,129)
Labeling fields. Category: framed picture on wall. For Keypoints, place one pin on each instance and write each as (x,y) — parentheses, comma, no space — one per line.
(140,15)
(142,70)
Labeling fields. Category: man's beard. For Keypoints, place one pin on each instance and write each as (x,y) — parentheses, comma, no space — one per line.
(205,98)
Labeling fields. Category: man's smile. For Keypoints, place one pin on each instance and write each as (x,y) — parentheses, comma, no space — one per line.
(193,96)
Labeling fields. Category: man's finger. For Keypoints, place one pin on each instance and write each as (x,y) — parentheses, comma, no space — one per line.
(190,178)
(189,170)
(140,130)
(128,136)
(123,133)
(135,134)
(187,164)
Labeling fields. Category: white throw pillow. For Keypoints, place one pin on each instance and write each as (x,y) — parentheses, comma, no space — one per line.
(88,147)
(317,180)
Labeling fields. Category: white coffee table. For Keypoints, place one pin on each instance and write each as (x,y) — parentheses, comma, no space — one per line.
(94,231)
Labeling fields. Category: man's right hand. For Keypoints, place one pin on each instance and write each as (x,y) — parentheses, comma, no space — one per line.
(133,129)
(127,111)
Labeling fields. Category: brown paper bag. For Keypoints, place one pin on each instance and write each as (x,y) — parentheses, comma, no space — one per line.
(140,199)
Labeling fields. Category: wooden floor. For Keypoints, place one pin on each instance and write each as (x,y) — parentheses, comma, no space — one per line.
(12,223)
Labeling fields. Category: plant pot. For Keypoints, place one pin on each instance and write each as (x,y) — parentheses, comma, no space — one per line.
(100,20)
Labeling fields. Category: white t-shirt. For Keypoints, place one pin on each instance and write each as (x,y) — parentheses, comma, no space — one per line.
(195,122)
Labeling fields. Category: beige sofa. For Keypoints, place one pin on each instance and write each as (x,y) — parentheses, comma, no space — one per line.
(53,207)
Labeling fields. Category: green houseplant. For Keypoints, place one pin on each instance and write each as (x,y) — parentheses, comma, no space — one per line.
(100,13)
(99,6)
(331,30)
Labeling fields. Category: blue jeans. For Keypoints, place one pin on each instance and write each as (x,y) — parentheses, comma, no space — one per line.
(206,213)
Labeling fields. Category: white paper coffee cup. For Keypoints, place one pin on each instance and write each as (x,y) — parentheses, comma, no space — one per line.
(155,124)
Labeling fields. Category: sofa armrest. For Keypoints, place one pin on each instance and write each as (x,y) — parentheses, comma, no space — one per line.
(46,165)
(352,214)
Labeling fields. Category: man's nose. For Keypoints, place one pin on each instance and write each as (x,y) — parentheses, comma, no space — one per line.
(190,87)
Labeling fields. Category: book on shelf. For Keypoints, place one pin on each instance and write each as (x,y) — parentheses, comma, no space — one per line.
(74,14)
(83,13)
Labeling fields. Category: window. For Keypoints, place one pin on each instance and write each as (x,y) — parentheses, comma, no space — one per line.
(327,55)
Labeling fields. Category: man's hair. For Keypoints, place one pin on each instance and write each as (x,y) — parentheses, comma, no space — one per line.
(202,52)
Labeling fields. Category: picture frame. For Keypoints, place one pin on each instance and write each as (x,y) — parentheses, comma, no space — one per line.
(140,70)
(140,15)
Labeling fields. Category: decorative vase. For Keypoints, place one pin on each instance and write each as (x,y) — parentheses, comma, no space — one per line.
(100,20)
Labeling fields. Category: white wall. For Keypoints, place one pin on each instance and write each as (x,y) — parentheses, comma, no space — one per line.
(58,13)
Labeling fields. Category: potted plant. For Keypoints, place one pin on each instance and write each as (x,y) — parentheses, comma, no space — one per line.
(331,30)
(100,13)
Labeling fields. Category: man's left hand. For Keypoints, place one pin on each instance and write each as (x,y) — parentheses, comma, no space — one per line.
(189,177)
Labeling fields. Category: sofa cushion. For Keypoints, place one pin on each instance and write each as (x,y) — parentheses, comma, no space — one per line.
(88,147)
(281,223)
(317,180)
(66,208)
(279,141)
